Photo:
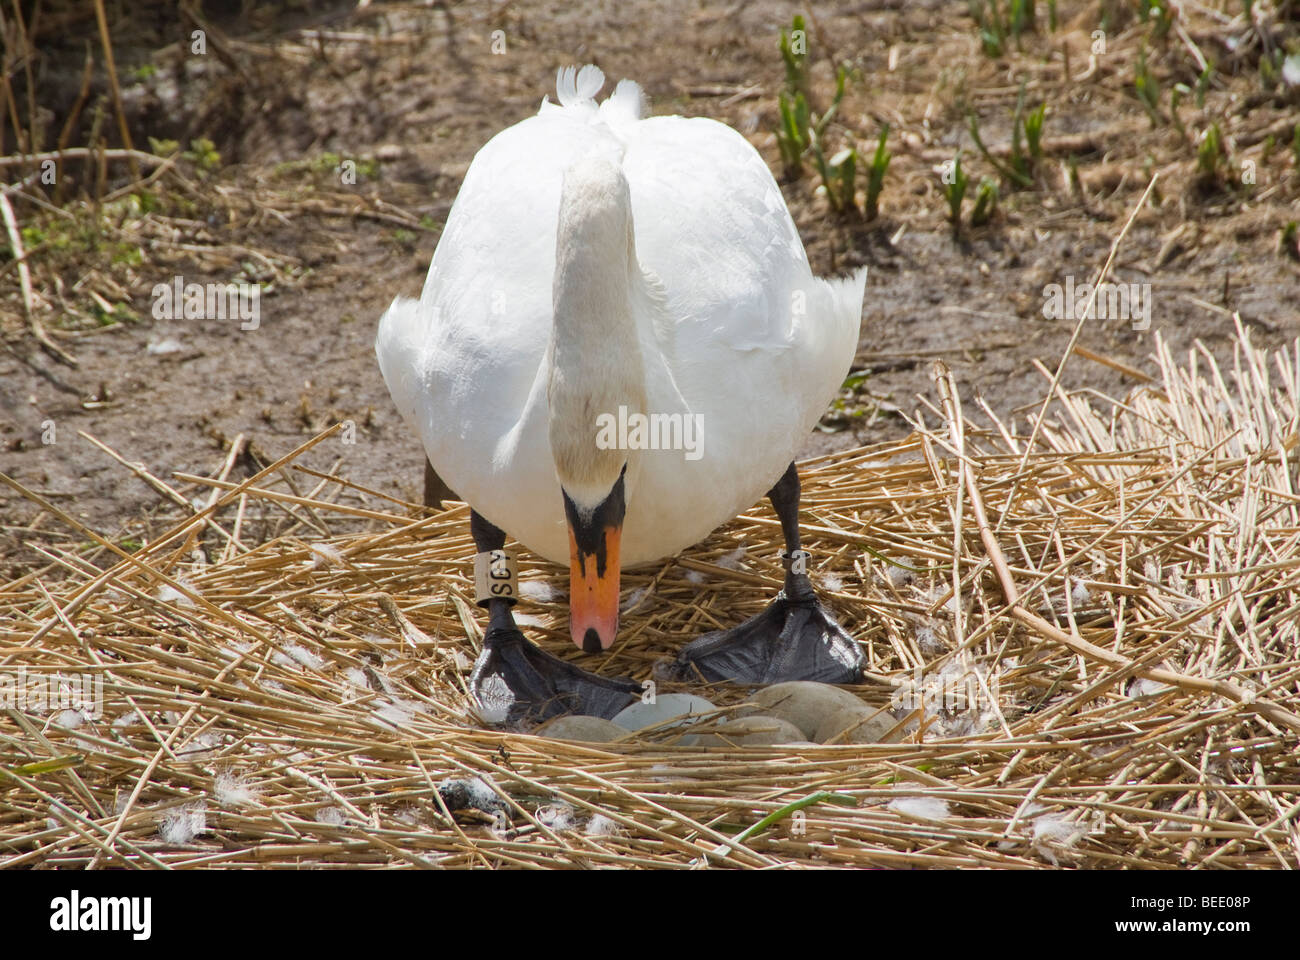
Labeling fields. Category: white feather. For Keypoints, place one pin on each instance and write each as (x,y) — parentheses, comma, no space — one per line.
(634,599)
(624,106)
(602,826)
(182,824)
(731,560)
(169,594)
(538,590)
(234,791)
(574,86)
(922,808)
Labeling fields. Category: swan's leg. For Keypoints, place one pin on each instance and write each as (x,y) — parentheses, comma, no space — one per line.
(514,680)
(435,488)
(795,638)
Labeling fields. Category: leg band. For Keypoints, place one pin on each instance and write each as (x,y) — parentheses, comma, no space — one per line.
(796,561)
(495,577)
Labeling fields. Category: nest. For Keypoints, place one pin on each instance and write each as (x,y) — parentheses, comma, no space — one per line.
(1086,632)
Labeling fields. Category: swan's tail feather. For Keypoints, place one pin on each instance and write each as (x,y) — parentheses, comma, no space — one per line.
(846,314)
(577,89)
(399,346)
(574,86)
(833,340)
(846,295)
(625,105)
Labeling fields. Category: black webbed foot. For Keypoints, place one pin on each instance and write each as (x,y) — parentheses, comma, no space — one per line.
(795,638)
(516,681)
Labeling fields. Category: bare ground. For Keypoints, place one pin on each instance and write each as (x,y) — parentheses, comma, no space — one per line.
(408,94)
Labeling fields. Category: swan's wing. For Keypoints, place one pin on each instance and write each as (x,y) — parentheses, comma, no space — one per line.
(761,345)
(397,346)
(711,222)
(468,352)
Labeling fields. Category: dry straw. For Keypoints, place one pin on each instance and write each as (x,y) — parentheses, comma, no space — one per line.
(1115,606)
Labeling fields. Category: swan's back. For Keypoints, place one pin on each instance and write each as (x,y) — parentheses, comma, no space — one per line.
(759,344)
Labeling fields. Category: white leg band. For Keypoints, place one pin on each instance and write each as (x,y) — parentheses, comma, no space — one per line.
(796,561)
(495,577)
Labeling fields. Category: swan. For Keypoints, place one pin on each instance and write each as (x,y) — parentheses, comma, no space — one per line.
(619,346)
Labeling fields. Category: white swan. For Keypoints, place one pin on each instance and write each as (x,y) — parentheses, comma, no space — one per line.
(597,263)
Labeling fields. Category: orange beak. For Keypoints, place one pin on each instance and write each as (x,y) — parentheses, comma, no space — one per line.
(593,589)
(593,569)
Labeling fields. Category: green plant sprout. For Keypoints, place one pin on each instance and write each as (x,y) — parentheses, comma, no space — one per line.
(1147,88)
(1290,240)
(203,154)
(1210,155)
(995,24)
(876,175)
(954,191)
(986,202)
(1026,143)
(1203,84)
(794,54)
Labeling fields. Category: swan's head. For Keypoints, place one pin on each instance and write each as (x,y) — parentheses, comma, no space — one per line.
(596,372)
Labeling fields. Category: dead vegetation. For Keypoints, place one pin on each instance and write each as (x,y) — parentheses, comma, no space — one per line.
(1110,591)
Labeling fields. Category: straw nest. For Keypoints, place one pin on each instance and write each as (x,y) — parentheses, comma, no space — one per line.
(1110,588)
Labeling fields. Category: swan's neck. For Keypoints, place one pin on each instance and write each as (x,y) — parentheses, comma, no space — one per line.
(596,363)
